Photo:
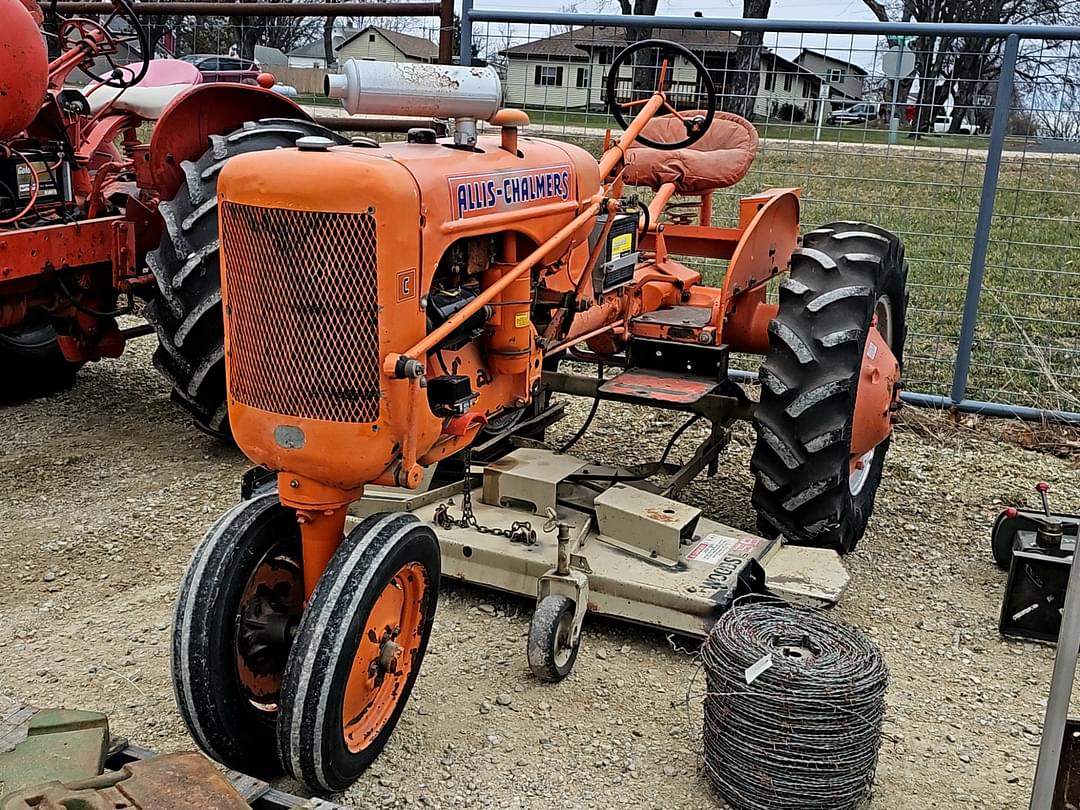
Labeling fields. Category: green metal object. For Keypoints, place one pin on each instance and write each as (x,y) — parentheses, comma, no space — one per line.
(898,40)
(50,745)
(167,782)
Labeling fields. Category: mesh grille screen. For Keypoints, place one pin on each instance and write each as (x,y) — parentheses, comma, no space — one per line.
(303,312)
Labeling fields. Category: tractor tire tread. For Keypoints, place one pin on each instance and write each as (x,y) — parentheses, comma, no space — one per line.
(189,323)
(810,379)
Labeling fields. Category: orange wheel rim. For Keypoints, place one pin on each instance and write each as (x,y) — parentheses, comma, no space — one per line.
(389,642)
(269,611)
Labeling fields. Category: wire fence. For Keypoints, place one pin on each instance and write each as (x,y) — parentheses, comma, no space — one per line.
(823,105)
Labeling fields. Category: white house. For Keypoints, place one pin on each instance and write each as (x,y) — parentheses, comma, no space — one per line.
(569,71)
(378,43)
(846,80)
(372,42)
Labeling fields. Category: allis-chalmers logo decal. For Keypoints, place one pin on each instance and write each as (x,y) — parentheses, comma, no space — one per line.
(476,194)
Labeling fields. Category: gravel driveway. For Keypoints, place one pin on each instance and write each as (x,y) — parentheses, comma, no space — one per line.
(107,487)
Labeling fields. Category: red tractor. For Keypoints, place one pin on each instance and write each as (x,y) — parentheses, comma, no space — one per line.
(95,221)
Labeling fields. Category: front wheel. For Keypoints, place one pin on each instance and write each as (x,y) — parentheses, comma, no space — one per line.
(358,650)
(846,279)
(239,604)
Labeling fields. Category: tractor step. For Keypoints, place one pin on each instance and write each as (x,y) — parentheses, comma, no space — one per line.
(654,386)
(685,317)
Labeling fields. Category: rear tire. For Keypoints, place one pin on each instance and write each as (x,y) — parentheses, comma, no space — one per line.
(842,275)
(187,314)
(31,363)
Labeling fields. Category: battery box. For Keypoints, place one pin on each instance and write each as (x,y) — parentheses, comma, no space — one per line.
(618,258)
(17,180)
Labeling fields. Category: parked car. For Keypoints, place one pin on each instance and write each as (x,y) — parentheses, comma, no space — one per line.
(860,113)
(942,123)
(216,68)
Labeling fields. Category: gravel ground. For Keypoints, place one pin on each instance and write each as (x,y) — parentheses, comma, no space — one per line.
(107,489)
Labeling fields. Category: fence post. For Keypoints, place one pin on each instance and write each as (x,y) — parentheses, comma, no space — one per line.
(465,55)
(985,219)
(446,32)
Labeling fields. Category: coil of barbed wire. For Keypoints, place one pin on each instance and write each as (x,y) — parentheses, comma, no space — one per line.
(805,733)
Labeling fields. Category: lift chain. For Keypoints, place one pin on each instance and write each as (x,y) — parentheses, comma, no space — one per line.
(520,531)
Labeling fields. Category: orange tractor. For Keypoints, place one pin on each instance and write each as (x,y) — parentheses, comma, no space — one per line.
(93,220)
(389,306)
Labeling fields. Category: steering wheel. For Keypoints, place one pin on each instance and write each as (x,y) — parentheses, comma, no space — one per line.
(98,40)
(696,126)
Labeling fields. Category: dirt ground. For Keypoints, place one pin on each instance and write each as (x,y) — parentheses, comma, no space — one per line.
(107,487)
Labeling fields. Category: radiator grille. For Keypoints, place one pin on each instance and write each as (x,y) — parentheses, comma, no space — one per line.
(303,315)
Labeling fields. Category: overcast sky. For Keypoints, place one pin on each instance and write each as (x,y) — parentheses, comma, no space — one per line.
(858,49)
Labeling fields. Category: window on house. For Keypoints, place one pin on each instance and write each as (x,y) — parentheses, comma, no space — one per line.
(370,37)
(582,77)
(788,79)
(548,76)
(605,56)
(770,80)
(836,75)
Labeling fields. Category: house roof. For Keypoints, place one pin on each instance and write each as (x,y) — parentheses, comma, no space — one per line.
(577,43)
(315,48)
(792,67)
(833,59)
(567,44)
(265,55)
(416,47)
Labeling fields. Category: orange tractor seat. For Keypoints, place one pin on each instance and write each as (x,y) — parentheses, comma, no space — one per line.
(721,158)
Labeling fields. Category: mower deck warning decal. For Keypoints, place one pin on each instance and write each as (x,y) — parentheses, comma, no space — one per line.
(710,549)
(476,194)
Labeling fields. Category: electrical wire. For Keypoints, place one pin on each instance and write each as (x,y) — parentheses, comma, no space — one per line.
(592,412)
(33,191)
(804,733)
(675,436)
(88,310)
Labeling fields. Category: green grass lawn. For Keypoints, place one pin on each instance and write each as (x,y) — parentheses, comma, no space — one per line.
(554,119)
(1027,348)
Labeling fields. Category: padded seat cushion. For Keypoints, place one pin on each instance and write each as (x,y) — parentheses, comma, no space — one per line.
(721,158)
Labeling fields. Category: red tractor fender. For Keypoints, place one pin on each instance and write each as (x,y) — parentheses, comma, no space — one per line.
(182,132)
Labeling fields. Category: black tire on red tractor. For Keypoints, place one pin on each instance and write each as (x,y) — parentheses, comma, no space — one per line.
(843,276)
(187,314)
(31,363)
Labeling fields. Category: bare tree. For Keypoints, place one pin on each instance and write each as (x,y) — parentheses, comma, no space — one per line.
(280,32)
(746,67)
(500,38)
(1056,110)
(965,68)
(644,74)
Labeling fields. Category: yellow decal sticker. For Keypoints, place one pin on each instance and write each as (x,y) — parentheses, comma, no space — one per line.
(621,245)
(521,320)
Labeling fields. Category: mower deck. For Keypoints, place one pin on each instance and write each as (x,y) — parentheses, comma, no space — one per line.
(648,559)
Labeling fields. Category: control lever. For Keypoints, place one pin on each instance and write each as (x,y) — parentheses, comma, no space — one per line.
(1049,534)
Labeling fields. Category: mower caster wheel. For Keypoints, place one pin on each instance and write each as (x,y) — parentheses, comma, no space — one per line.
(358,650)
(552,647)
(239,603)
